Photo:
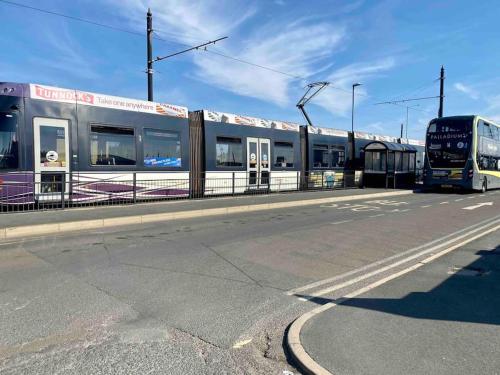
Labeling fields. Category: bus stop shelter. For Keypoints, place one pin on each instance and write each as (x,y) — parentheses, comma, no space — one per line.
(389,165)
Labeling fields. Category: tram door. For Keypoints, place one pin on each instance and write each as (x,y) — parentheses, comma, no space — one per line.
(51,146)
(258,162)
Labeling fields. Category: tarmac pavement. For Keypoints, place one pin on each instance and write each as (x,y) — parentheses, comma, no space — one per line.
(442,319)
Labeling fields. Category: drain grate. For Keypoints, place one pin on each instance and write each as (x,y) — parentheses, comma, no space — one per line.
(466,271)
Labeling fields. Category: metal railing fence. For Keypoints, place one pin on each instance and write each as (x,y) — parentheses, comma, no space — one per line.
(60,190)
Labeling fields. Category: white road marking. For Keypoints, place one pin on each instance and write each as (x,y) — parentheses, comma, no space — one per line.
(471,197)
(459,199)
(293,337)
(444,203)
(329,280)
(386,202)
(392,265)
(377,215)
(478,206)
(241,343)
(398,210)
(333,205)
(341,222)
(426,206)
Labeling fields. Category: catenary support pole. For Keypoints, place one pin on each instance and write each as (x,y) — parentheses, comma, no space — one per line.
(149,33)
(441,92)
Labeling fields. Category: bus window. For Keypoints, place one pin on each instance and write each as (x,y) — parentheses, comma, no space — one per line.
(283,152)
(229,152)
(112,145)
(8,141)
(161,148)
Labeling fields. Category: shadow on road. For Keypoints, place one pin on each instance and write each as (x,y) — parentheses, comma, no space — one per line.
(470,294)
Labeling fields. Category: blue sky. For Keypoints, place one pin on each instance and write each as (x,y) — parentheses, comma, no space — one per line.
(394,47)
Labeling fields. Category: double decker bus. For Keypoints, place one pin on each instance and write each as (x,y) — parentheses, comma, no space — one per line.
(464,152)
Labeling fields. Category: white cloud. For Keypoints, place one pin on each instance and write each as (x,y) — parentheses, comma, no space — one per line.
(337,99)
(185,21)
(295,47)
(469,91)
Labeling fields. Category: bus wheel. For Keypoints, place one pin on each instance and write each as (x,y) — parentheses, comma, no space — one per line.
(484,188)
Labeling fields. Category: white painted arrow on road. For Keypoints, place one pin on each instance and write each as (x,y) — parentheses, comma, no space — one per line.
(478,205)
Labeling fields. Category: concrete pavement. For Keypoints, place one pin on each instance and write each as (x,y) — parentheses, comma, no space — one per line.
(441,318)
(13,224)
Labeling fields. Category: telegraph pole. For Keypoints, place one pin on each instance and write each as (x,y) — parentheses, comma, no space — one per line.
(149,33)
(441,92)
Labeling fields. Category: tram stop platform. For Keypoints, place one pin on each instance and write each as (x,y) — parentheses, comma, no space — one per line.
(441,318)
(34,223)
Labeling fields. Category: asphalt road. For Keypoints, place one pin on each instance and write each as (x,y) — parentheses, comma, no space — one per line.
(202,296)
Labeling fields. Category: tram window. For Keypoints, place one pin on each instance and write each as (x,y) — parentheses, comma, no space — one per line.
(112,145)
(338,157)
(320,156)
(8,141)
(229,152)
(284,154)
(161,148)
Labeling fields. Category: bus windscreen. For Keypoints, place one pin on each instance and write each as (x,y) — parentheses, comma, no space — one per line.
(448,142)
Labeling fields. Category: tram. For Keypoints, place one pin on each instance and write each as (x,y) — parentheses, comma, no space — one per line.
(62,144)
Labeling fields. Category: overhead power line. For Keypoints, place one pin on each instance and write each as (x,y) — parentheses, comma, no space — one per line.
(159,58)
(71,17)
(407,100)
(160,38)
(157,37)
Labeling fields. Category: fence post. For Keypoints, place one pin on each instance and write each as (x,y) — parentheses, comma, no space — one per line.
(322,179)
(233,192)
(298,180)
(135,185)
(70,190)
(63,188)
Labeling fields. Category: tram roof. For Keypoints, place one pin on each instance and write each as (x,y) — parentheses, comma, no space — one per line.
(71,96)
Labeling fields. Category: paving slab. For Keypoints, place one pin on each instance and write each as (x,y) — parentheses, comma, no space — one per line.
(13,219)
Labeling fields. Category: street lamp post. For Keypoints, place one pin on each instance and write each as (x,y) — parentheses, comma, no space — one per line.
(353,151)
(354,85)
